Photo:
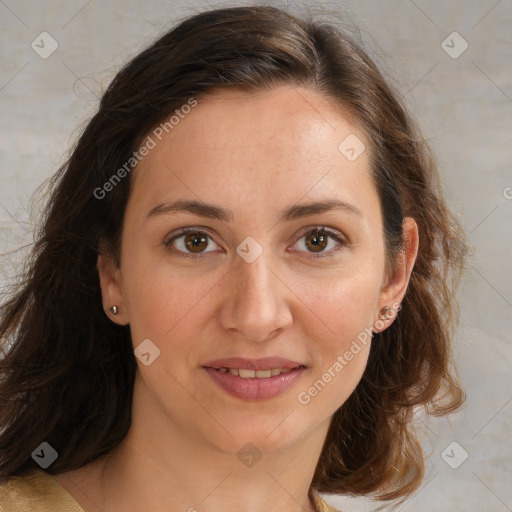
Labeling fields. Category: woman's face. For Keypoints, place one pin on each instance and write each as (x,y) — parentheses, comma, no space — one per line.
(251,279)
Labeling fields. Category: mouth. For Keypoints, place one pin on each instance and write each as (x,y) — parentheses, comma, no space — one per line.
(254,368)
(256,374)
(255,379)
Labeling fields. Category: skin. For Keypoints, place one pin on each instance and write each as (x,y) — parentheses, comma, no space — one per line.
(254,154)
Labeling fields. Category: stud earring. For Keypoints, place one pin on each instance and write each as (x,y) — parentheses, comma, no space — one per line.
(114,310)
(384,312)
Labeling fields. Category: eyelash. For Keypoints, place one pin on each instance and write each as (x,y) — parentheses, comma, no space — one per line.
(318,230)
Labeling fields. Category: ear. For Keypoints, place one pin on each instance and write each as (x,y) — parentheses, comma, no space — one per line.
(393,291)
(111,289)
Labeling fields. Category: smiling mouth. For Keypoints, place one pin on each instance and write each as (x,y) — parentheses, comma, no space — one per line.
(275,378)
(256,374)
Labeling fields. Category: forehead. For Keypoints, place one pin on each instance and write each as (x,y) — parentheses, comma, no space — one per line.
(288,122)
(272,146)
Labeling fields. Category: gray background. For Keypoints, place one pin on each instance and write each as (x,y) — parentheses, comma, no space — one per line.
(464,106)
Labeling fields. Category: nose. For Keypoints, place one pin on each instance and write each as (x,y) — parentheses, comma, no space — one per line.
(256,305)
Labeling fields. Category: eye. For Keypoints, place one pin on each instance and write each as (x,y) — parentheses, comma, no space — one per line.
(192,242)
(317,239)
(189,239)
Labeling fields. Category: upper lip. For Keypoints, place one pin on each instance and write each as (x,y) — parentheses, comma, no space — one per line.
(266,363)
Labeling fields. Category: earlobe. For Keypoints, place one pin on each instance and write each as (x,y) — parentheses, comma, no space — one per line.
(394,291)
(111,290)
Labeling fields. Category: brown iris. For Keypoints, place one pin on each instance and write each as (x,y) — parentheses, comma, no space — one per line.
(193,241)
(318,240)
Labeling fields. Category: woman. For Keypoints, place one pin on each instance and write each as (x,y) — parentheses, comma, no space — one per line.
(242,288)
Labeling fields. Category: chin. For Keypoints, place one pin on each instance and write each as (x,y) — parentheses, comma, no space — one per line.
(265,433)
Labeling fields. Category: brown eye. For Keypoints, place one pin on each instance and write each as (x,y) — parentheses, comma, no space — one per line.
(189,243)
(318,239)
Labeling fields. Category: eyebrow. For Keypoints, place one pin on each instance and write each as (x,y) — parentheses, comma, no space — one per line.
(212,211)
(216,212)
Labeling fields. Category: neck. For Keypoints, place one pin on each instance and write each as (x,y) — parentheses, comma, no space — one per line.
(161,465)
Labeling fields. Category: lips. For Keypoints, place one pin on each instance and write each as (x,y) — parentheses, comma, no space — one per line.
(254,379)
(240,363)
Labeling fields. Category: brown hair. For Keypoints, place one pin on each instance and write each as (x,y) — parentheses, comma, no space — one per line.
(67,373)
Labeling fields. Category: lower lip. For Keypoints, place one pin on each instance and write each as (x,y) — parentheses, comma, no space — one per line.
(255,389)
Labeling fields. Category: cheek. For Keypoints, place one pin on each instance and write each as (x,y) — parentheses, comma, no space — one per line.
(341,350)
(340,332)
(163,301)
(344,307)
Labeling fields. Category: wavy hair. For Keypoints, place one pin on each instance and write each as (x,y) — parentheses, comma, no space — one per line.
(67,371)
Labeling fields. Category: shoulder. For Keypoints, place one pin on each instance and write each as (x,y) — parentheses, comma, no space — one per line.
(36,491)
(321,505)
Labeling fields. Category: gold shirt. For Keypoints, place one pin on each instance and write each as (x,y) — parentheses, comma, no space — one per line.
(38,491)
